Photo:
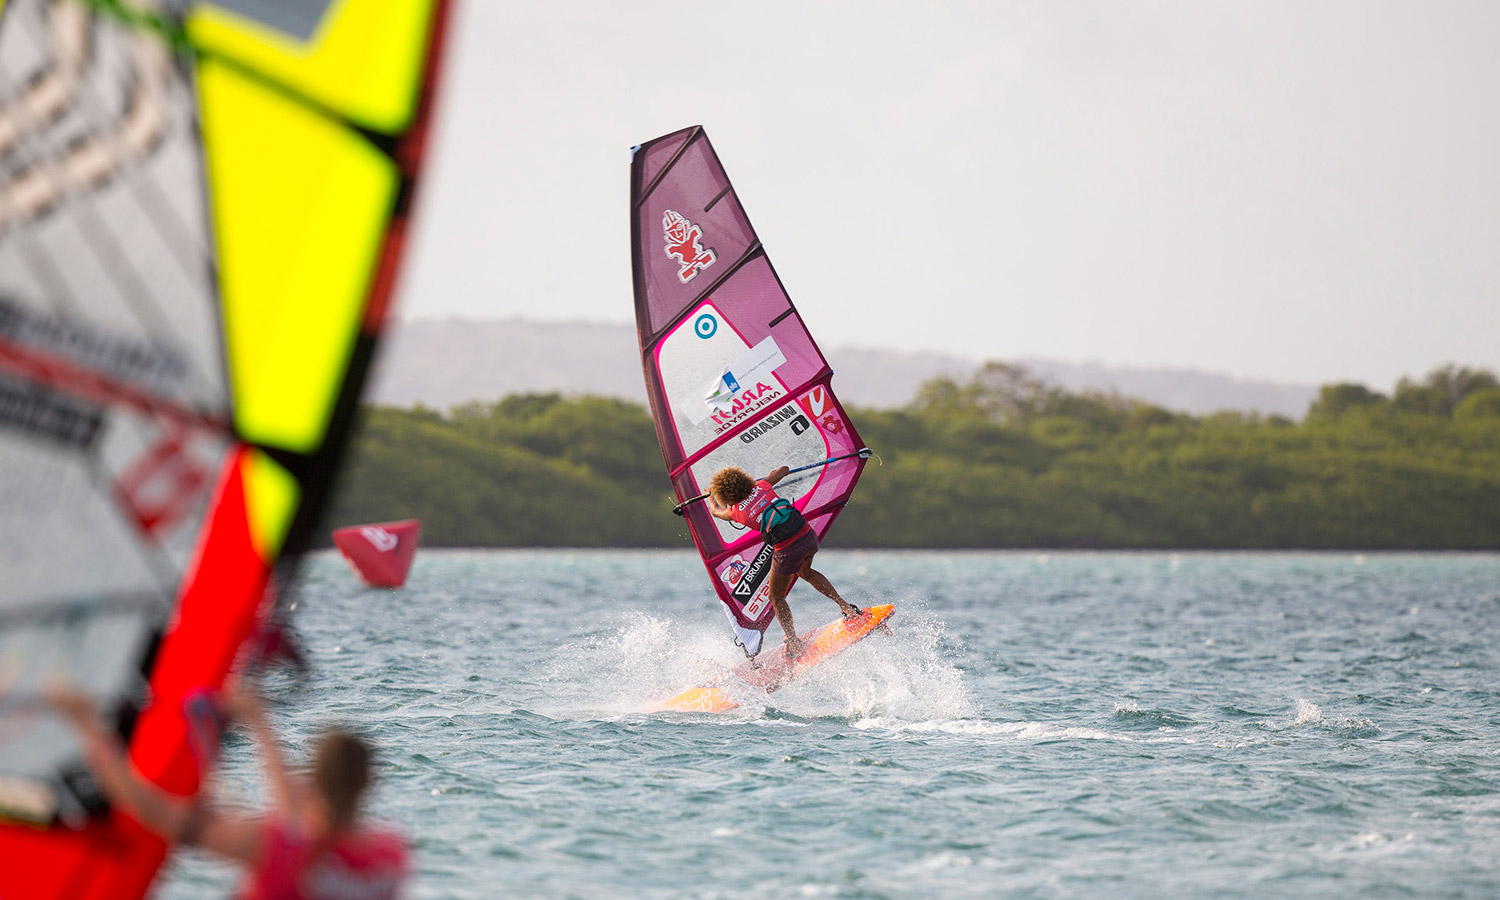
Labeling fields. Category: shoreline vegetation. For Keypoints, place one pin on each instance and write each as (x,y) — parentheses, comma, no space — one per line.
(1002,460)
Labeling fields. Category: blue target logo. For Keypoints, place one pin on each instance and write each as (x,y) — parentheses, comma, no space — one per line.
(706,325)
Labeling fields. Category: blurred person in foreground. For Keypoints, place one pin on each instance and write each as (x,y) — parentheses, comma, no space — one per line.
(312,845)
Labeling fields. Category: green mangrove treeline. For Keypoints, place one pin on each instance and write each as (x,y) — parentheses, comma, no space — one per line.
(1001,460)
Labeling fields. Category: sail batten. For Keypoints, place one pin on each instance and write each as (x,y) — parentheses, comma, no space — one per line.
(733,376)
(754,252)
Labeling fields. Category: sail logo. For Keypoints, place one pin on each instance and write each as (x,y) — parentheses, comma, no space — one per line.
(734,570)
(815,403)
(685,244)
(746,403)
(756,607)
(754,574)
(123,357)
(50,415)
(161,487)
(799,424)
(706,326)
(745,385)
(379,538)
(723,391)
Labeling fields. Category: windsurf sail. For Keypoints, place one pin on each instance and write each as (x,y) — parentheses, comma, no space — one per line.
(733,376)
(202,208)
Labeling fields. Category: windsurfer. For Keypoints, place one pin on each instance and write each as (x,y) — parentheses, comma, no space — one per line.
(735,497)
(312,846)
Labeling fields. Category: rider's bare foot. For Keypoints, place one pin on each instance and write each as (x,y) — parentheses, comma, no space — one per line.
(792,647)
(849,610)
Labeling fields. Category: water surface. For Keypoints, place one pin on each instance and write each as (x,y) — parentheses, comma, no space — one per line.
(1040,725)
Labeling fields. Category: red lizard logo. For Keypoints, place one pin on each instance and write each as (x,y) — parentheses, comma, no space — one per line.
(683,245)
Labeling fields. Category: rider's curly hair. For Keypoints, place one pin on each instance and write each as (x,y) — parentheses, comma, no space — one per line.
(731,485)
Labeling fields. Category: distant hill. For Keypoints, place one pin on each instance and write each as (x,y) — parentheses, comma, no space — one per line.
(1184,390)
(443,363)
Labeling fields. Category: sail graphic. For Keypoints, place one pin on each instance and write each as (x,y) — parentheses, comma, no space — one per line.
(202,208)
(734,377)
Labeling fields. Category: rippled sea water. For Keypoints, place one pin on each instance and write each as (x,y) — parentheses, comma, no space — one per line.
(1039,725)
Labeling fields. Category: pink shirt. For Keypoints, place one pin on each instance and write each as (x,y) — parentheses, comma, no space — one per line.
(747,512)
(365,865)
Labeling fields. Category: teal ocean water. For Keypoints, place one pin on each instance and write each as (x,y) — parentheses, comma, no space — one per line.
(1039,725)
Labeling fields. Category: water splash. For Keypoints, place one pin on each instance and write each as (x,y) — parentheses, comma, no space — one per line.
(1310,715)
(631,668)
(1129,712)
(903,675)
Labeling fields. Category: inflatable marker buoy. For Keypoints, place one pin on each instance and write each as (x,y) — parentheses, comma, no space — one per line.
(381,553)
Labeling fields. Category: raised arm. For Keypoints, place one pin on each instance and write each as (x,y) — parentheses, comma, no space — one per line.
(717,509)
(173,818)
(247,707)
(161,812)
(776,475)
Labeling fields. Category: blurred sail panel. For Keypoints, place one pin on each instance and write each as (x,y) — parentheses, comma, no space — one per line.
(201,214)
(733,375)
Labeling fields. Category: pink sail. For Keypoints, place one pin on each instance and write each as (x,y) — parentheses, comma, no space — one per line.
(733,376)
(380,554)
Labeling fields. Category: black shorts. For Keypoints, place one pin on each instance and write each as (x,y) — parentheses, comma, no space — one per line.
(789,559)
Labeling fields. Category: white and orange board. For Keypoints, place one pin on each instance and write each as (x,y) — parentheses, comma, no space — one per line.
(819,645)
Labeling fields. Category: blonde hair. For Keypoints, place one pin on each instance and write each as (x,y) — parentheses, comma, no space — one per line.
(731,485)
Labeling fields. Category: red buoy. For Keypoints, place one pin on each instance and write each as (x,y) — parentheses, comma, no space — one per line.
(380,553)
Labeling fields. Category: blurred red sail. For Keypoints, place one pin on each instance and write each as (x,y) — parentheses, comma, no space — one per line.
(185,331)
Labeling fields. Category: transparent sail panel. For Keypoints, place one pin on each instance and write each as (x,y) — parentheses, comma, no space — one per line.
(113,400)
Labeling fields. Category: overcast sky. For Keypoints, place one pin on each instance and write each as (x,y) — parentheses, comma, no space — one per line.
(1299,191)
